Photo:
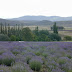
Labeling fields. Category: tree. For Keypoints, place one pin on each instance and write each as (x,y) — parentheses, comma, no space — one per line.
(45,32)
(5,29)
(9,30)
(36,31)
(13,38)
(67,38)
(54,37)
(1,28)
(4,37)
(43,37)
(27,35)
(55,29)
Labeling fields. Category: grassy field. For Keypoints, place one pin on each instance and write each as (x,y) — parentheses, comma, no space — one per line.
(62,33)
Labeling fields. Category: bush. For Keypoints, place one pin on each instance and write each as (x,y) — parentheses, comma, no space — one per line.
(13,38)
(1,52)
(38,53)
(18,67)
(35,65)
(54,37)
(67,38)
(8,61)
(45,55)
(28,59)
(4,37)
(15,52)
(0,61)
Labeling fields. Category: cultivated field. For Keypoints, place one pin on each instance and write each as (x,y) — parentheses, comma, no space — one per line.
(35,56)
(66,32)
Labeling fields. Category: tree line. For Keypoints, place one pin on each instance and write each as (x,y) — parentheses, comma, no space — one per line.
(18,33)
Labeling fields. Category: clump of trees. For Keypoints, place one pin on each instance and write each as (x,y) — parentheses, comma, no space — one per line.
(67,38)
(18,33)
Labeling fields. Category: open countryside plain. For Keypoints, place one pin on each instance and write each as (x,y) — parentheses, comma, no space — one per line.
(66,32)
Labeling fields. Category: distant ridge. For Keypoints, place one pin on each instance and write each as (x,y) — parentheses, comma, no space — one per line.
(40,18)
(36,23)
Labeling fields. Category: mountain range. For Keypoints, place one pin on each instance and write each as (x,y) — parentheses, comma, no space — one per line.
(39,21)
(40,18)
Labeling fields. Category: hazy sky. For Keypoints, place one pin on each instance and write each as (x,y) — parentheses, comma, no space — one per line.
(17,8)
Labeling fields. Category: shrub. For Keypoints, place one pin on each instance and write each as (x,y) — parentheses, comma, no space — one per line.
(13,38)
(37,53)
(67,38)
(28,59)
(69,56)
(8,61)
(45,55)
(15,52)
(0,61)
(4,37)
(35,65)
(1,52)
(54,37)
(61,62)
(69,70)
(18,67)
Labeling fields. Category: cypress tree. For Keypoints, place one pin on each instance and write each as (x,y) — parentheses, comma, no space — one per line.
(5,29)
(55,29)
(1,28)
(36,31)
(8,30)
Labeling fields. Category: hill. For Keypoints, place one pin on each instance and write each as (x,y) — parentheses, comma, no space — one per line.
(40,18)
(36,23)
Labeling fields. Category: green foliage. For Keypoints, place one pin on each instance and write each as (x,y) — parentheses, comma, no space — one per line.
(18,33)
(35,38)
(54,37)
(4,37)
(38,53)
(36,31)
(35,65)
(45,55)
(67,38)
(55,29)
(13,38)
(0,61)
(1,52)
(27,34)
(45,32)
(15,52)
(1,28)
(70,70)
(18,67)
(7,61)
(69,56)
(28,59)
(61,61)
(42,35)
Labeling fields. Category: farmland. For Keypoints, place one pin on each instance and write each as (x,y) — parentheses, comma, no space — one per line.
(66,32)
(21,56)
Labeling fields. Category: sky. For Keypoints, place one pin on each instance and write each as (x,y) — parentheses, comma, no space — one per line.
(18,8)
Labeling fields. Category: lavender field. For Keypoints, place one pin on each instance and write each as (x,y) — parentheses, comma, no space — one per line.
(35,56)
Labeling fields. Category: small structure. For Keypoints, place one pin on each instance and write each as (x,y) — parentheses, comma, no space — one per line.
(59,28)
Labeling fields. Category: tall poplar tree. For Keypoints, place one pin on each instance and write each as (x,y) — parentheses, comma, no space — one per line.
(55,29)
(5,28)
(1,28)
(9,30)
